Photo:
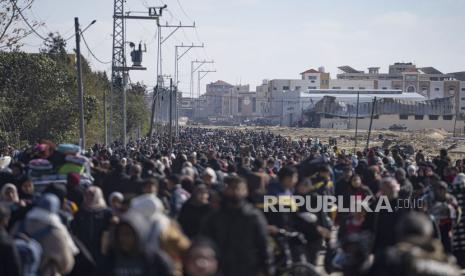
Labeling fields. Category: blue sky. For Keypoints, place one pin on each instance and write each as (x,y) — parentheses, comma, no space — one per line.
(251,40)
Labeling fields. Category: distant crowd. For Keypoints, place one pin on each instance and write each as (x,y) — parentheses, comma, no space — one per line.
(195,207)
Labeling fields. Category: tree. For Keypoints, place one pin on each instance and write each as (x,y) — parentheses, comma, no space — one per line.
(138,111)
(35,99)
(12,29)
(55,46)
(39,99)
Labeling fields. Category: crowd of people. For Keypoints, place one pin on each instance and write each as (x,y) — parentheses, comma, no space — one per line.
(197,207)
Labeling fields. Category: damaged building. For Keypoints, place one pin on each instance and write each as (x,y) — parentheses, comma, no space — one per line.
(388,113)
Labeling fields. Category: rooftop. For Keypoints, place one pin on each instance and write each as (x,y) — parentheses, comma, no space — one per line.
(348,69)
(430,71)
(220,82)
(310,71)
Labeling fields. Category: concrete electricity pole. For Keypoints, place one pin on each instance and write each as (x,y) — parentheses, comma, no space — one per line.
(177,57)
(162,40)
(193,70)
(201,75)
(82,135)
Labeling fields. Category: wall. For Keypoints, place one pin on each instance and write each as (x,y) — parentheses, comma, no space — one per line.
(313,78)
(384,83)
(356,84)
(436,90)
(385,121)
(280,84)
(462,97)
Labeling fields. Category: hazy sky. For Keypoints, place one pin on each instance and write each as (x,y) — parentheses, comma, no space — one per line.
(251,40)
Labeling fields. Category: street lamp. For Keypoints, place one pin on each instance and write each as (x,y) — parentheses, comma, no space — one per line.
(78,33)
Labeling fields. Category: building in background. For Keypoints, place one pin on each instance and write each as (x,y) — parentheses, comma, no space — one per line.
(388,113)
(286,101)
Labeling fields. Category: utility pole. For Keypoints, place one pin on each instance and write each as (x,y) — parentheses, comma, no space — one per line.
(176,76)
(178,57)
(202,74)
(356,123)
(105,116)
(82,135)
(193,70)
(162,40)
(371,122)
(171,115)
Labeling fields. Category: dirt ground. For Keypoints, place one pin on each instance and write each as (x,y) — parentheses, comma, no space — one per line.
(429,140)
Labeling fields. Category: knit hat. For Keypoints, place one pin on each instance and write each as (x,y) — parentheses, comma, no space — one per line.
(73,179)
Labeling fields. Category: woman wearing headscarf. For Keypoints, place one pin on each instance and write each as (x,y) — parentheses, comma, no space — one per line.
(91,221)
(458,233)
(26,191)
(130,254)
(9,195)
(164,233)
(58,248)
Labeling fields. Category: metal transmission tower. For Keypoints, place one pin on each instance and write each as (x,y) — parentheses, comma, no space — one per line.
(118,58)
(119,69)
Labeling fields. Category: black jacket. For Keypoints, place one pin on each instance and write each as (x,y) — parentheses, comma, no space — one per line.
(192,216)
(241,234)
(10,261)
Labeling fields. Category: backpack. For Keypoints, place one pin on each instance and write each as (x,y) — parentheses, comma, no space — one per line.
(29,249)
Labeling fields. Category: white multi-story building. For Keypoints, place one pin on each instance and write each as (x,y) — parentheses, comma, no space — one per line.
(351,84)
(283,100)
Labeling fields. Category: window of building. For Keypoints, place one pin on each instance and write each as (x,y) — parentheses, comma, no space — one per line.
(463,99)
(274,88)
(350,87)
(436,89)
(336,87)
(433,117)
(361,88)
(239,105)
(410,77)
(411,89)
(447,117)
(297,88)
(463,89)
(312,81)
(419,117)
(254,105)
(403,117)
(463,108)
(312,77)
(312,87)
(328,116)
(285,87)
(384,88)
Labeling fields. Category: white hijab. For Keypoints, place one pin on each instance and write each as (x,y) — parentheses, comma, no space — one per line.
(151,208)
(52,219)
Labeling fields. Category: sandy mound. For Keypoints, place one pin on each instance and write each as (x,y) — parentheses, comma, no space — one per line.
(435,134)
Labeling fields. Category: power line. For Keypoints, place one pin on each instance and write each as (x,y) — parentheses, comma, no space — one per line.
(90,51)
(183,11)
(27,23)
